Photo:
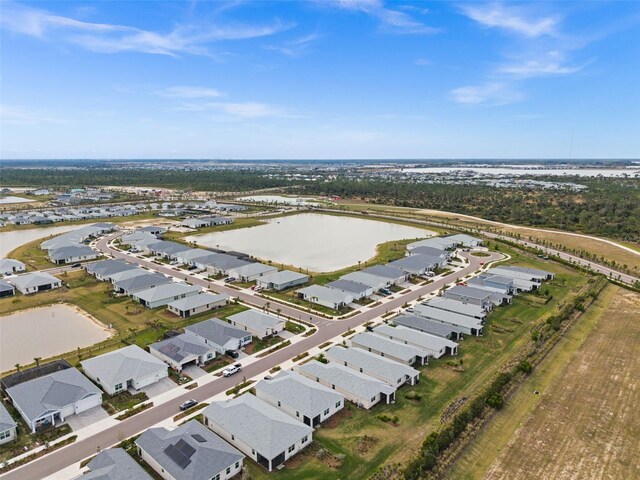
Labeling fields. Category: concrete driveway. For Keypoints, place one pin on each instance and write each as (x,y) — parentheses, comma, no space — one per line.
(89,417)
(194,372)
(157,388)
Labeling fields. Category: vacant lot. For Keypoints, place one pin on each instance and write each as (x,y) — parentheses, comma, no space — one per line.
(587,424)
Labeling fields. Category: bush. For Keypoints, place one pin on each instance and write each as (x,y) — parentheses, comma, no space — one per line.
(525,367)
(495,400)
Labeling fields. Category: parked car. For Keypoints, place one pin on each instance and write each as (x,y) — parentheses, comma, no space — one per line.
(481,263)
(430,274)
(409,310)
(188,404)
(76,265)
(461,284)
(192,267)
(385,291)
(369,328)
(232,370)
(232,353)
(229,280)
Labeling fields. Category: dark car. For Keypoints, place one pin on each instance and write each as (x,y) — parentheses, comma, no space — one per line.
(76,265)
(232,353)
(188,404)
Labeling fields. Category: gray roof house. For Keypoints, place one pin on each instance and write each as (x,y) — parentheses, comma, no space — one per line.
(361,389)
(433,344)
(251,271)
(464,240)
(282,280)
(219,334)
(468,325)
(373,281)
(153,230)
(9,266)
(497,283)
(165,248)
(8,426)
(455,306)
(48,400)
(188,256)
(391,372)
(325,296)
(535,274)
(72,253)
(189,452)
(431,251)
(257,323)
(137,236)
(140,282)
(427,325)
(384,271)
(6,289)
(126,274)
(222,263)
(267,435)
(392,349)
(474,296)
(441,243)
(127,367)
(104,268)
(355,289)
(305,400)
(114,464)
(182,350)
(195,304)
(162,295)
(522,281)
(417,264)
(35,282)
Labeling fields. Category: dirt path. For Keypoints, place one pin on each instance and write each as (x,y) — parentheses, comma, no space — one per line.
(588,423)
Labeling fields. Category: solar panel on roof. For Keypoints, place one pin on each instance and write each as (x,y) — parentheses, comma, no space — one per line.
(177,456)
(199,438)
(186,449)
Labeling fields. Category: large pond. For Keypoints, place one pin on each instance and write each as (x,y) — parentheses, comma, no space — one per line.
(14,199)
(320,243)
(16,238)
(45,332)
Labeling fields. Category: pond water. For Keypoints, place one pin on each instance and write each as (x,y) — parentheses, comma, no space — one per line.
(320,243)
(45,332)
(16,238)
(531,170)
(279,199)
(13,199)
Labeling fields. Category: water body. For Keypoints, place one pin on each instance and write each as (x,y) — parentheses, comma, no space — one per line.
(530,170)
(16,238)
(320,243)
(45,332)
(13,199)
(279,199)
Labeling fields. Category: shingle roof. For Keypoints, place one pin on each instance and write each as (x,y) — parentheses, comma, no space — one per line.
(114,464)
(196,301)
(189,452)
(34,279)
(108,267)
(255,319)
(168,248)
(70,251)
(415,263)
(306,396)
(126,274)
(533,271)
(448,317)
(431,343)
(251,269)
(6,421)
(284,276)
(216,331)
(388,347)
(516,273)
(455,306)
(426,324)
(383,271)
(325,294)
(141,282)
(470,292)
(7,264)
(5,286)
(264,428)
(370,362)
(349,286)
(51,392)
(164,291)
(180,347)
(124,364)
(222,261)
(362,386)
(369,279)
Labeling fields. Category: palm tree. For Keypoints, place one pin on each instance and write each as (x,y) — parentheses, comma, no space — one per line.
(37,360)
(17,365)
(278,311)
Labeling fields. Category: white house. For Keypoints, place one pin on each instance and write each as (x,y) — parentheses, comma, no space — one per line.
(258,323)
(385,347)
(71,254)
(182,350)
(9,266)
(282,280)
(128,367)
(251,271)
(195,304)
(325,296)
(435,345)
(28,283)
(162,295)
(220,335)
(8,426)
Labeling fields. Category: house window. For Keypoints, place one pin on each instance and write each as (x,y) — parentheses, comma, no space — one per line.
(253,452)
(373,399)
(333,386)
(338,404)
(5,434)
(217,477)
(305,439)
(279,404)
(118,386)
(297,414)
(237,464)
(326,412)
(228,470)
(291,448)
(233,438)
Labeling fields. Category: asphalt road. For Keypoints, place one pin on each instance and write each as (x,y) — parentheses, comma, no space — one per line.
(326,329)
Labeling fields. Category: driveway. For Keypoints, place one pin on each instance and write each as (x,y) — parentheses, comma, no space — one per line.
(157,388)
(194,372)
(89,417)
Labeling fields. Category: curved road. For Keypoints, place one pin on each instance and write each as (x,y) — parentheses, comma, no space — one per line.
(326,329)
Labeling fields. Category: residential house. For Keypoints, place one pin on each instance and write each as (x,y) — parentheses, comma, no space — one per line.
(114,464)
(525,273)
(417,264)
(72,254)
(468,325)
(187,257)
(307,401)
(182,351)
(496,283)
(474,296)
(46,401)
(427,325)
(392,349)
(251,271)
(195,304)
(357,290)
(435,345)
(361,389)
(389,371)
(154,230)
(34,282)
(8,426)
(455,306)
(393,275)
(137,283)
(104,268)
(6,289)
(128,367)
(441,243)
(258,323)
(262,432)
(444,255)
(375,282)
(162,295)
(222,263)
(9,266)
(325,296)
(281,280)
(219,334)
(464,240)
(189,452)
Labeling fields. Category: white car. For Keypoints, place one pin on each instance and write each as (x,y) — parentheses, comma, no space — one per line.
(409,309)
(233,369)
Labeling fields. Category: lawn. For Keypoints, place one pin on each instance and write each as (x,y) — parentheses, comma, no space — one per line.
(32,255)
(122,401)
(442,382)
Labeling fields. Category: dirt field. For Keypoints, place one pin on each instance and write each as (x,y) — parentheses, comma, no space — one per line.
(587,424)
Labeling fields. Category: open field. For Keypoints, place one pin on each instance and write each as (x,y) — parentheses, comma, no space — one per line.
(358,443)
(586,423)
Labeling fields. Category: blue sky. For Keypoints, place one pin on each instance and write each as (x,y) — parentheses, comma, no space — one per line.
(320,79)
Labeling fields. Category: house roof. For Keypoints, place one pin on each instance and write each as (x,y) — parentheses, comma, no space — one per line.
(109,267)
(284,276)
(441,243)
(326,294)
(306,396)
(253,269)
(135,237)
(70,251)
(152,228)
(357,357)
(533,271)
(126,274)
(463,239)
(448,317)
(223,261)
(196,301)
(181,346)
(6,420)
(361,385)
(423,340)
(516,273)
(189,452)
(9,264)
(34,279)
(415,263)
(422,323)
(383,271)
(455,306)
(471,292)
(263,427)
(504,280)
(5,286)
(140,282)
(168,248)
(435,252)
(349,286)
(124,364)
(166,290)
(216,331)
(51,392)
(114,464)
(369,279)
(388,346)
(193,253)
(256,320)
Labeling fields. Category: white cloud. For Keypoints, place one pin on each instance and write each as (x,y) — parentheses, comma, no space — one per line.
(549,64)
(295,47)
(21,115)
(390,20)
(492,93)
(188,92)
(238,109)
(422,62)
(512,19)
(108,38)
